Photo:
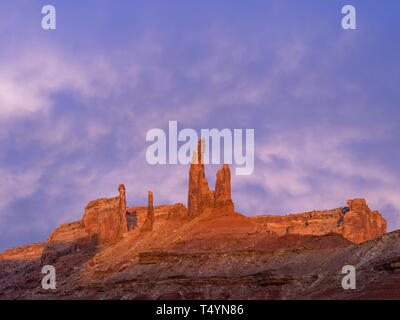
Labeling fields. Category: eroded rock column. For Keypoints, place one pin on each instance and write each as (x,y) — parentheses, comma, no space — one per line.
(199,196)
(149,222)
(223,198)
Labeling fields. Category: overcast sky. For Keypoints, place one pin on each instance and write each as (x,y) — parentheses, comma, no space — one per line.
(76,104)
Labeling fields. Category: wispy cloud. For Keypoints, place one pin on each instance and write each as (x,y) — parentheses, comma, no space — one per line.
(29,80)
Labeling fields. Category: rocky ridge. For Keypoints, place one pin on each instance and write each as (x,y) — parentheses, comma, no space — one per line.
(205,251)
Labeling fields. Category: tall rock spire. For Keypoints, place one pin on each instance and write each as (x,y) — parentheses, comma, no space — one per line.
(148,224)
(200,197)
(223,198)
(123,223)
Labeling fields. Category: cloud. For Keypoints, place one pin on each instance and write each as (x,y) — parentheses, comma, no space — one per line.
(16,184)
(29,80)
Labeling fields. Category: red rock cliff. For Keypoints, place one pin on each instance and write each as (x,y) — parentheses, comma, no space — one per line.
(105,219)
(361,224)
(356,222)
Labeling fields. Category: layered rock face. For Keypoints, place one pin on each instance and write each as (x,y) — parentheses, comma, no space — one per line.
(137,216)
(105,219)
(103,222)
(356,222)
(200,197)
(68,232)
(31,251)
(360,223)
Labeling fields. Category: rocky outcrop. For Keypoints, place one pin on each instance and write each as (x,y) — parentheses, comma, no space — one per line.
(200,197)
(177,211)
(223,198)
(148,224)
(360,223)
(105,219)
(356,222)
(137,216)
(31,251)
(68,232)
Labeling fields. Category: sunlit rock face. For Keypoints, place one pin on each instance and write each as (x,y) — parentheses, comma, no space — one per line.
(105,219)
(356,222)
(361,224)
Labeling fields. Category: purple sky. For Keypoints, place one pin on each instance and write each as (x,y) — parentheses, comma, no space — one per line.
(76,104)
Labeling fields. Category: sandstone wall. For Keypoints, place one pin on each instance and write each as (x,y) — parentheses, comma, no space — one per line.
(136,216)
(29,252)
(104,221)
(68,232)
(356,222)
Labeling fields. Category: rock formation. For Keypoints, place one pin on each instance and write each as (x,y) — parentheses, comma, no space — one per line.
(223,189)
(148,224)
(360,223)
(356,222)
(121,219)
(200,197)
(105,219)
(226,254)
(137,215)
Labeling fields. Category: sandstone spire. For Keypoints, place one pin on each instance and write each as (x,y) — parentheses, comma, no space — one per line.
(122,209)
(148,224)
(199,197)
(223,198)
